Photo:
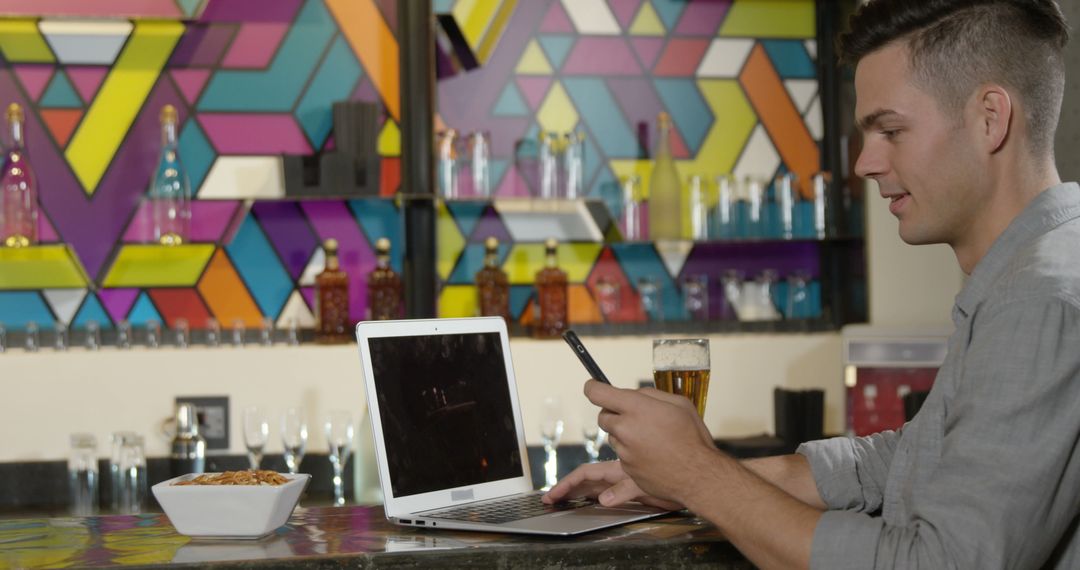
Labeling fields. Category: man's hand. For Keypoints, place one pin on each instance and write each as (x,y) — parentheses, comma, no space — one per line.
(605,481)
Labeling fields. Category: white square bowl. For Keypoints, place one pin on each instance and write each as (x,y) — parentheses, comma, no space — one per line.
(229,511)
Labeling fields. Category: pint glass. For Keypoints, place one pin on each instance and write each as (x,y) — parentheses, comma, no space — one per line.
(681,366)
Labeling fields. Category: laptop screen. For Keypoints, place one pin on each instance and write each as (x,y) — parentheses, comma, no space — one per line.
(447,418)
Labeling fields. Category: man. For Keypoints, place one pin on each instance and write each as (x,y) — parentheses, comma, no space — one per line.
(958,101)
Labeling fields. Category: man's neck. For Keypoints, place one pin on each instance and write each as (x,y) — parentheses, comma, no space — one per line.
(1010,192)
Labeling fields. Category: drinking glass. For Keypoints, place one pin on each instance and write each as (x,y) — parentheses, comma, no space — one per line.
(266,333)
(480,159)
(785,190)
(256,433)
(696,297)
(750,209)
(153,334)
(239,332)
(574,165)
(446,164)
(593,436)
(83,474)
(60,339)
(608,295)
(699,208)
(633,224)
(294,437)
(551,429)
(798,296)
(131,485)
(116,441)
(724,212)
(3,338)
(181,333)
(821,182)
(213,332)
(731,284)
(339,438)
(292,333)
(681,366)
(652,301)
(758,303)
(123,335)
(549,166)
(33,337)
(93,335)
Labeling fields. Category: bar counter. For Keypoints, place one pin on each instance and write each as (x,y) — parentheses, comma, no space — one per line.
(356,537)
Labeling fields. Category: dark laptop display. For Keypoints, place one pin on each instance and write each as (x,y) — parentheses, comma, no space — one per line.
(445,410)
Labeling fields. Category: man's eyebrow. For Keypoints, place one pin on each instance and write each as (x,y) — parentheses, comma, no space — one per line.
(867,122)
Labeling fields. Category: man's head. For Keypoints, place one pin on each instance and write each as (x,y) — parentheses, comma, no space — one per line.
(957,45)
(958,101)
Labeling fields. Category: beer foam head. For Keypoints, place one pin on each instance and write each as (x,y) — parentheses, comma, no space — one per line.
(681,354)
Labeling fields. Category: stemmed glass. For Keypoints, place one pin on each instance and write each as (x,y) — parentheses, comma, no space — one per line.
(256,433)
(294,437)
(339,438)
(594,436)
(551,429)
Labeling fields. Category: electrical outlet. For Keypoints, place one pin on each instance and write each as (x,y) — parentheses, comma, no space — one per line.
(213,412)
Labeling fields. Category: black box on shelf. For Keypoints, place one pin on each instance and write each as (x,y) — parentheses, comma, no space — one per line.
(351,169)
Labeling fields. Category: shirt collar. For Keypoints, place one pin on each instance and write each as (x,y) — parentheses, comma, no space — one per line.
(1051,208)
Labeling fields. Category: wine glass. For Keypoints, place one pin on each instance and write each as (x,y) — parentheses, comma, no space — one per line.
(594,436)
(256,433)
(294,437)
(339,438)
(551,429)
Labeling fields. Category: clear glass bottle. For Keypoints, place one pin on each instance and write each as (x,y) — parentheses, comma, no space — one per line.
(492,284)
(188,453)
(699,208)
(18,202)
(332,299)
(384,286)
(170,194)
(665,190)
(552,295)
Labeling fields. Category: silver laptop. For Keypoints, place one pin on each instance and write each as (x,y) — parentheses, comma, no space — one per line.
(449,440)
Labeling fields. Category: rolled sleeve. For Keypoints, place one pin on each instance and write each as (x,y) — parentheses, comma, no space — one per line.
(850,473)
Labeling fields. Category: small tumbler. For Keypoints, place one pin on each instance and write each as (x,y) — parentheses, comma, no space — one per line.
(83,474)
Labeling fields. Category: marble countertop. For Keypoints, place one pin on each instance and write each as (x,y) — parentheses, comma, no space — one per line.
(354,536)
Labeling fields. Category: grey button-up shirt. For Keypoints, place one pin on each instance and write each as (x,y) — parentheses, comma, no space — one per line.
(987,474)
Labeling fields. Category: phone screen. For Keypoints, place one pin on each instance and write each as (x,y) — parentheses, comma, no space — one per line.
(583,355)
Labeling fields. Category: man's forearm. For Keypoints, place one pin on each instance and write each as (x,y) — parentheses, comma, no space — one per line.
(790,473)
(767,524)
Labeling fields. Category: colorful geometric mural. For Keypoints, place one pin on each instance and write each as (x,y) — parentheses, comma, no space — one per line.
(255,80)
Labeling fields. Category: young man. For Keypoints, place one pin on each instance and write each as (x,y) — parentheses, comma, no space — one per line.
(958,101)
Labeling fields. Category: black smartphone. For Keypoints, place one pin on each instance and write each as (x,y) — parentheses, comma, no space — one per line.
(583,355)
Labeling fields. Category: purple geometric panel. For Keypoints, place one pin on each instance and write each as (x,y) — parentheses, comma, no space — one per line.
(647,49)
(332,219)
(702,18)
(254,45)
(365,91)
(624,11)
(46,231)
(248,11)
(210,219)
(556,21)
(248,133)
(490,225)
(191,82)
(601,56)
(389,12)
(638,100)
(513,185)
(87,79)
(309,296)
(118,302)
(34,78)
(288,232)
(534,89)
(750,259)
(202,44)
(141,228)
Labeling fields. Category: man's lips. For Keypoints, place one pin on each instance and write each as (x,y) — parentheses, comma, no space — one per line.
(897,201)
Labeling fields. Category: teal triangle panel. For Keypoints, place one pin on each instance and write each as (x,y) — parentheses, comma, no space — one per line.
(688,110)
(91,310)
(17,308)
(510,103)
(60,94)
(143,311)
(640,261)
(198,155)
(669,11)
(260,268)
(334,81)
(379,217)
(471,260)
(790,59)
(556,48)
(466,214)
(519,299)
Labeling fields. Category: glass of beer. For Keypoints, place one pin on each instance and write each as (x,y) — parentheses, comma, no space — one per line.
(681,366)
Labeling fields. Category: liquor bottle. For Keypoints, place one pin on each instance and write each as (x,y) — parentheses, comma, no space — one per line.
(552,295)
(332,299)
(19,208)
(384,285)
(492,284)
(188,453)
(170,194)
(665,190)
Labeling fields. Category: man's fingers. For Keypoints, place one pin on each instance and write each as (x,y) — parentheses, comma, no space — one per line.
(619,493)
(585,481)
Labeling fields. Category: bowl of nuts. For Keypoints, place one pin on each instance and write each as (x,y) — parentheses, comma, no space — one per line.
(233,504)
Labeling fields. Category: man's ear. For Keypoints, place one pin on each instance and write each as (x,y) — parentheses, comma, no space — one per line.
(995,113)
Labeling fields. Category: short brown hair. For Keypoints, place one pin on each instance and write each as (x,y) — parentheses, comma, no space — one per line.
(958,45)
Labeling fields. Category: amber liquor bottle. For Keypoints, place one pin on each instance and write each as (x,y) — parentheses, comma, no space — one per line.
(384,286)
(492,284)
(332,299)
(551,295)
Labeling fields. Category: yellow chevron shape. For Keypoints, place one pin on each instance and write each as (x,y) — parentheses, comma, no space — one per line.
(495,30)
(120,99)
(22,42)
(772,19)
(458,301)
(557,113)
(141,265)
(473,16)
(533,61)
(647,22)
(449,242)
(389,143)
(576,259)
(41,267)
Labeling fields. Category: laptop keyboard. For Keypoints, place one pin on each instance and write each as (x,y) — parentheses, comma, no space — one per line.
(510,509)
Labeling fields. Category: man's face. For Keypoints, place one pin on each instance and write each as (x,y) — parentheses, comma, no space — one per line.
(923,160)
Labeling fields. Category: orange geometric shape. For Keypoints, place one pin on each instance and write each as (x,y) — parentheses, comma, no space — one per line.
(61,123)
(180,304)
(627,302)
(681,57)
(374,45)
(226,295)
(779,116)
(583,308)
(389,176)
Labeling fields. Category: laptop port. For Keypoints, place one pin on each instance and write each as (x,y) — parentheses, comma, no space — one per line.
(421,523)
(405,521)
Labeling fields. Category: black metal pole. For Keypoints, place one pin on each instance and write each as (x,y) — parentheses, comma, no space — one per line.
(416,42)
